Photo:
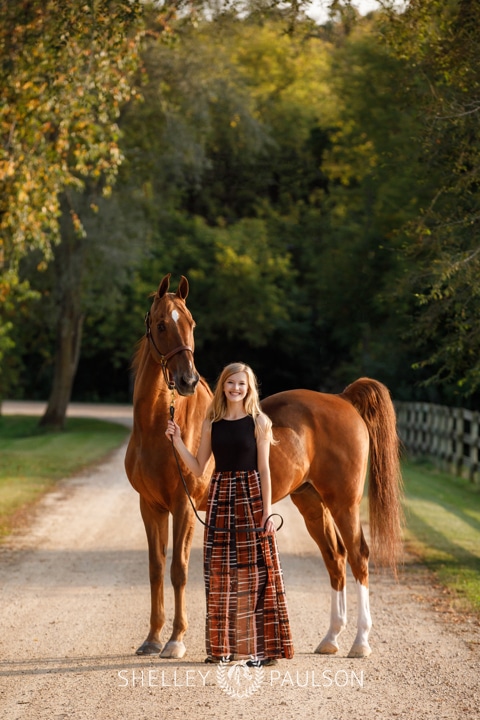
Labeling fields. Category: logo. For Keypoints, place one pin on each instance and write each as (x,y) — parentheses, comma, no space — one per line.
(238,679)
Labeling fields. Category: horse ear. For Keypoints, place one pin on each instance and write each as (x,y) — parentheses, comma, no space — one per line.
(164,285)
(182,290)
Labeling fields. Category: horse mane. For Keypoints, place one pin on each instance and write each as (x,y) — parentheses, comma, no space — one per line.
(138,355)
(205,385)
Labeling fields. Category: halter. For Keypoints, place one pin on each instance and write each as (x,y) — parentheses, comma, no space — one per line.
(164,358)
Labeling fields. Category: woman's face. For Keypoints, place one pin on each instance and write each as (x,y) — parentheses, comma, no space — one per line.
(235,387)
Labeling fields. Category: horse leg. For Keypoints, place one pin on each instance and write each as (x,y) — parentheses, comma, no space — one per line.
(348,523)
(183,526)
(156,527)
(319,523)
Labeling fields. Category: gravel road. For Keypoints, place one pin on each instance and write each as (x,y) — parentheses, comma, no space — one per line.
(74,606)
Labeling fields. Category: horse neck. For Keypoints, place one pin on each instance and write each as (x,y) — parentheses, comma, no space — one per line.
(151,395)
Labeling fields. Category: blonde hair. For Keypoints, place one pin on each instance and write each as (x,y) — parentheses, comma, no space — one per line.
(251,403)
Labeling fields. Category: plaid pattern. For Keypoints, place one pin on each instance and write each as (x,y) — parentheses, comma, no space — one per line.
(246,604)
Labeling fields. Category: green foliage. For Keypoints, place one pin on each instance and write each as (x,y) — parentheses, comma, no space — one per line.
(227,132)
(374,184)
(64,77)
(318,186)
(14,298)
(227,113)
(441,45)
(237,269)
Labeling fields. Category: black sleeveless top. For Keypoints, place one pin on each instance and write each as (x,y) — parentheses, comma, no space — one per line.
(233,444)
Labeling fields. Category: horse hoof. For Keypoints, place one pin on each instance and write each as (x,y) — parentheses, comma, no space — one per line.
(149,648)
(360,651)
(174,649)
(327,648)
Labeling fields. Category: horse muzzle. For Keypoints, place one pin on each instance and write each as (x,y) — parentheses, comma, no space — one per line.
(186,383)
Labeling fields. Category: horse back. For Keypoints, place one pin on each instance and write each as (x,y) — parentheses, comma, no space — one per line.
(320,438)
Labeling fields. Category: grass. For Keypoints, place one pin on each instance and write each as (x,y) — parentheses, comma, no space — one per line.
(443,529)
(32,459)
(442,511)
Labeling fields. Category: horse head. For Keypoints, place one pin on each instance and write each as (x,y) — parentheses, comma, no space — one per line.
(169,329)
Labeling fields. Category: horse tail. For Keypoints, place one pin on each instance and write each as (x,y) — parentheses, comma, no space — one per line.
(385,486)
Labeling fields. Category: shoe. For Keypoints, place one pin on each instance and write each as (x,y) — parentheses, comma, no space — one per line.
(214,660)
(261,663)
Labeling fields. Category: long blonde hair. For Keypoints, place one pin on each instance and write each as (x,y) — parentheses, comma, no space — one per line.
(251,403)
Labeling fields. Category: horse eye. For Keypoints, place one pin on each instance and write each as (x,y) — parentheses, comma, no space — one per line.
(161,326)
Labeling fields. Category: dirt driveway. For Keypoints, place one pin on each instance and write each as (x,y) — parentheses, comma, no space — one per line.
(74,605)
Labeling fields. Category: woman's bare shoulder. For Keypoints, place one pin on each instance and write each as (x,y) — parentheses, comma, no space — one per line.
(262,421)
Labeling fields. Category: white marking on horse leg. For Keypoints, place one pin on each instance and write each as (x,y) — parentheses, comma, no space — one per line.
(360,647)
(175,315)
(338,622)
(173,649)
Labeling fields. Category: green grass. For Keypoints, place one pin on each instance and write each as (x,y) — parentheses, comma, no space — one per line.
(33,459)
(443,529)
(442,511)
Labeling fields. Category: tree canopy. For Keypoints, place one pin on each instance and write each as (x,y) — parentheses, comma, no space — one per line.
(64,76)
(316,183)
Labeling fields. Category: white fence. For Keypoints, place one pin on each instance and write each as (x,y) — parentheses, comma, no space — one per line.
(450,436)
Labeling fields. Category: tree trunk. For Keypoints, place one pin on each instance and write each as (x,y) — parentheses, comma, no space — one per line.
(69,267)
(67,353)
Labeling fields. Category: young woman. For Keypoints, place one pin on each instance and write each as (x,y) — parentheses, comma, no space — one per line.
(246,606)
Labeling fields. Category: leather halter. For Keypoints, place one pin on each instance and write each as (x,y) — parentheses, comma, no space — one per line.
(164,357)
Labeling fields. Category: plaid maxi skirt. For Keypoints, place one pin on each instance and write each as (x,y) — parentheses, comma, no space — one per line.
(247,614)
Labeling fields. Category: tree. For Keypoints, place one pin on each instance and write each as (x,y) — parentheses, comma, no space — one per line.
(373,186)
(439,42)
(60,114)
(86,278)
(225,135)
(285,174)
(64,77)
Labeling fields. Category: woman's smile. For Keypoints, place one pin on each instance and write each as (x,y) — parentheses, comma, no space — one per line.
(236,387)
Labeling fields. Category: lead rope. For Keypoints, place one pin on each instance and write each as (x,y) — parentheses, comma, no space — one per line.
(210,527)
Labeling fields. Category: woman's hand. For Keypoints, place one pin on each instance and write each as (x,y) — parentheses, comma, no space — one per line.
(267,524)
(173,431)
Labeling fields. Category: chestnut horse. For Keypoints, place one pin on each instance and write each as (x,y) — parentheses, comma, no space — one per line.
(320,461)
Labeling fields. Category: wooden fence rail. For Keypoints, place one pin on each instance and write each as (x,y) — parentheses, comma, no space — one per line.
(450,436)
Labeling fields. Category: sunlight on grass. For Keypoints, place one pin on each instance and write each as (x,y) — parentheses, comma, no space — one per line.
(443,527)
(457,531)
(32,459)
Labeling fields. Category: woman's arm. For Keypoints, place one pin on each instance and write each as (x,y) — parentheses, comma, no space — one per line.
(263,462)
(195,463)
